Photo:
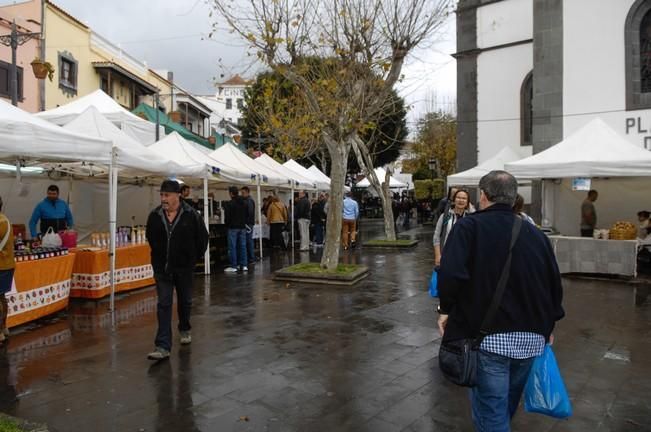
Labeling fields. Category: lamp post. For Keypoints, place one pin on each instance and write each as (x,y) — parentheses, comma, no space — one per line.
(14,40)
(433,165)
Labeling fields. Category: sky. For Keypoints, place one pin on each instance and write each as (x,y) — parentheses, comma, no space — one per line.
(173,35)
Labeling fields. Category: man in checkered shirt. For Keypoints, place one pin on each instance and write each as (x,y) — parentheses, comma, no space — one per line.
(473,260)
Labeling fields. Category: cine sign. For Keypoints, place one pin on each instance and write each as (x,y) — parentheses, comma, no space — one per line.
(634,125)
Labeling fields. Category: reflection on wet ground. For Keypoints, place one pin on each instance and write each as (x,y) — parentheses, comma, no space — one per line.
(270,356)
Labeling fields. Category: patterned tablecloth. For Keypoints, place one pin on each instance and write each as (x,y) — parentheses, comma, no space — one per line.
(91,279)
(587,255)
(40,288)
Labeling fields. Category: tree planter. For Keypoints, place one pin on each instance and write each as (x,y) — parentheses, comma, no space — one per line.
(42,69)
(391,244)
(313,273)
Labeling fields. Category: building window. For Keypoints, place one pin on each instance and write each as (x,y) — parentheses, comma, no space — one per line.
(240,103)
(229,103)
(526,110)
(5,80)
(637,36)
(68,73)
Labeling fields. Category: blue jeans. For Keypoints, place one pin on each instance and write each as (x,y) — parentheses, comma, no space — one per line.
(318,233)
(500,381)
(250,247)
(237,247)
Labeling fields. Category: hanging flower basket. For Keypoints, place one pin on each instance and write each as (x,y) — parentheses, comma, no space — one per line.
(175,116)
(42,69)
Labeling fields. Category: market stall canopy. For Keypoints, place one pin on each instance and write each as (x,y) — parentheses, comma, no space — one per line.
(319,175)
(231,156)
(24,136)
(300,182)
(301,170)
(175,147)
(381,174)
(131,155)
(472,176)
(595,150)
(150,113)
(141,130)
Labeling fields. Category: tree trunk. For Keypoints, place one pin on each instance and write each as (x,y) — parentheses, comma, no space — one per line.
(339,161)
(383,191)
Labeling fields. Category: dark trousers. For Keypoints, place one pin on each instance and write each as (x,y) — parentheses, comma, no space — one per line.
(587,232)
(318,233)
(165,284)
(237,247)
(276,233)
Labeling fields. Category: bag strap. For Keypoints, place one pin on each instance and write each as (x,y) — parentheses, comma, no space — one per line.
(5,239)
(501,284)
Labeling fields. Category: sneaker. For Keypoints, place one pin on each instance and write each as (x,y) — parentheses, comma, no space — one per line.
(245,269)
(230,270)
(305,249)
(186,338)
(158,354)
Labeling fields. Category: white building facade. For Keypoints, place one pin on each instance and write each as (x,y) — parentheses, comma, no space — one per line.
(228,102)
(531,72)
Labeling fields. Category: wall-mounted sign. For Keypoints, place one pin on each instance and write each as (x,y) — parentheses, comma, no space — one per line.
(581,184)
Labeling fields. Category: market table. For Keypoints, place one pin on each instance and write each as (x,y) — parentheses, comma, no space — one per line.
(587,255)
(40,288)
(91,278)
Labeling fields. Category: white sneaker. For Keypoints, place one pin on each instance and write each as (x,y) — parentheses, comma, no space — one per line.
(230,270)
(245,269)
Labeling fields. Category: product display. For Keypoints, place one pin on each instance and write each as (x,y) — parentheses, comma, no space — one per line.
(124,236)
(38,253)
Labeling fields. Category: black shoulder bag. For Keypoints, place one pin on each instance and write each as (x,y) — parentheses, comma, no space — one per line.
(458,358)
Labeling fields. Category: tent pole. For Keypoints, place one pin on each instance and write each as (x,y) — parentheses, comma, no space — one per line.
(206,220)
(293,200)
(260,215)
(113,180)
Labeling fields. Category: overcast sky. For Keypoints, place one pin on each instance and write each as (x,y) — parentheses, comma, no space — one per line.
(173,35)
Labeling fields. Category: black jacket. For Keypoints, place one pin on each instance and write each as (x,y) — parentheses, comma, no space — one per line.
(181,247)
(302,208)
(318,214)
(250,211)
(236,213)
(472,260)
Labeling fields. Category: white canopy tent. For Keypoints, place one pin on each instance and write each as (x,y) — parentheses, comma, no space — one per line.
(618,169)
(299,169)
(319,175)
(472,176)
(140,129)
(381,175)
(300,182)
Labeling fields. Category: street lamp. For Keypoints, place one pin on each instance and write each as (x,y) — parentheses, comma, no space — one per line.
(13,40)
(433,165)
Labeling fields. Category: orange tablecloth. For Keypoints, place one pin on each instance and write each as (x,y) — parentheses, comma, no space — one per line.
(40,288)
(91,279)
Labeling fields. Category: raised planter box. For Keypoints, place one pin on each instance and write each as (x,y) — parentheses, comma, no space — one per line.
(13,424)
(312,273)
(391,244)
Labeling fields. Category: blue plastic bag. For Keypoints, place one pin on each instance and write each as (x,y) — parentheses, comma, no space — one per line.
(545,391)
(433,289)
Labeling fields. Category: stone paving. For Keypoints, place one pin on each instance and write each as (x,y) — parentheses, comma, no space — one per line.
(271,356)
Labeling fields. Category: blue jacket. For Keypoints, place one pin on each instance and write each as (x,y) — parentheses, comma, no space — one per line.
(351,209)
(47,209)
(471,263)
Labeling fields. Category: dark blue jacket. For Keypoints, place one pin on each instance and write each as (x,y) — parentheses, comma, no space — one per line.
(472,260)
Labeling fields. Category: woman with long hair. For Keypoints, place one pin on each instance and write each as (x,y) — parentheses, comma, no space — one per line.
(460,208)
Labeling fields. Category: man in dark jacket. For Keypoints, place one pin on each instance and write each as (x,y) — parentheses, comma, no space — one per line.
(318,218)
(250,223)
(178,238)
(303,216)
(473,259)
(236,215)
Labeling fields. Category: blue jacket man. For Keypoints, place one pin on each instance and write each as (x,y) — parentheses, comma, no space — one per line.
(52,212)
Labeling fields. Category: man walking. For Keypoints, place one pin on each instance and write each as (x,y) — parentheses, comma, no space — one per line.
(235,221)
(250,223)
(349,228)
(472,262)
(303,216)
(178,238)
(589,214)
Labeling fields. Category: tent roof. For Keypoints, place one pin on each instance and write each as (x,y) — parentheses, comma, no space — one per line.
(381,173)
(185,152)
(230,155)
(595,150)
(299,169)
(130,154)
(318,174)
(22,135)
(472,176)
(140,129)
(300,181)
(169,125)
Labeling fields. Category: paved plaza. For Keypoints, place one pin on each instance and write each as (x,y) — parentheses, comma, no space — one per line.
(271,356)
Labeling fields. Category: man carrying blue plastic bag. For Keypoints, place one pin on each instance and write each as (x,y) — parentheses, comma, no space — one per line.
(524,316)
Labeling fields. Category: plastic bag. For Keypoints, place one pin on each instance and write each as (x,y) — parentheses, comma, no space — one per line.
(51,239)
(545,391)
(433,284)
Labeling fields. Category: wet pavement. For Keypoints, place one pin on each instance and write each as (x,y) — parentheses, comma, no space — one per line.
(271,356)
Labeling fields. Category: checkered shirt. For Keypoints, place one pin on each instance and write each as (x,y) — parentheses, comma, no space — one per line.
(515,345)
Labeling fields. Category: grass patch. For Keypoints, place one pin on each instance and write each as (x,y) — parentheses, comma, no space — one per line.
(382,242)
(7,425)
(315,268)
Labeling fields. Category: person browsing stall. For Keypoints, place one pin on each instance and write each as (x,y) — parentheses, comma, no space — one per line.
(460,207)
(51,212)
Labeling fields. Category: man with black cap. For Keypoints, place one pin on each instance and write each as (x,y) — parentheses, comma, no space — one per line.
(178,238)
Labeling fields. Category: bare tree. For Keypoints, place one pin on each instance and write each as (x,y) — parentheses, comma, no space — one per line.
(368,40)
